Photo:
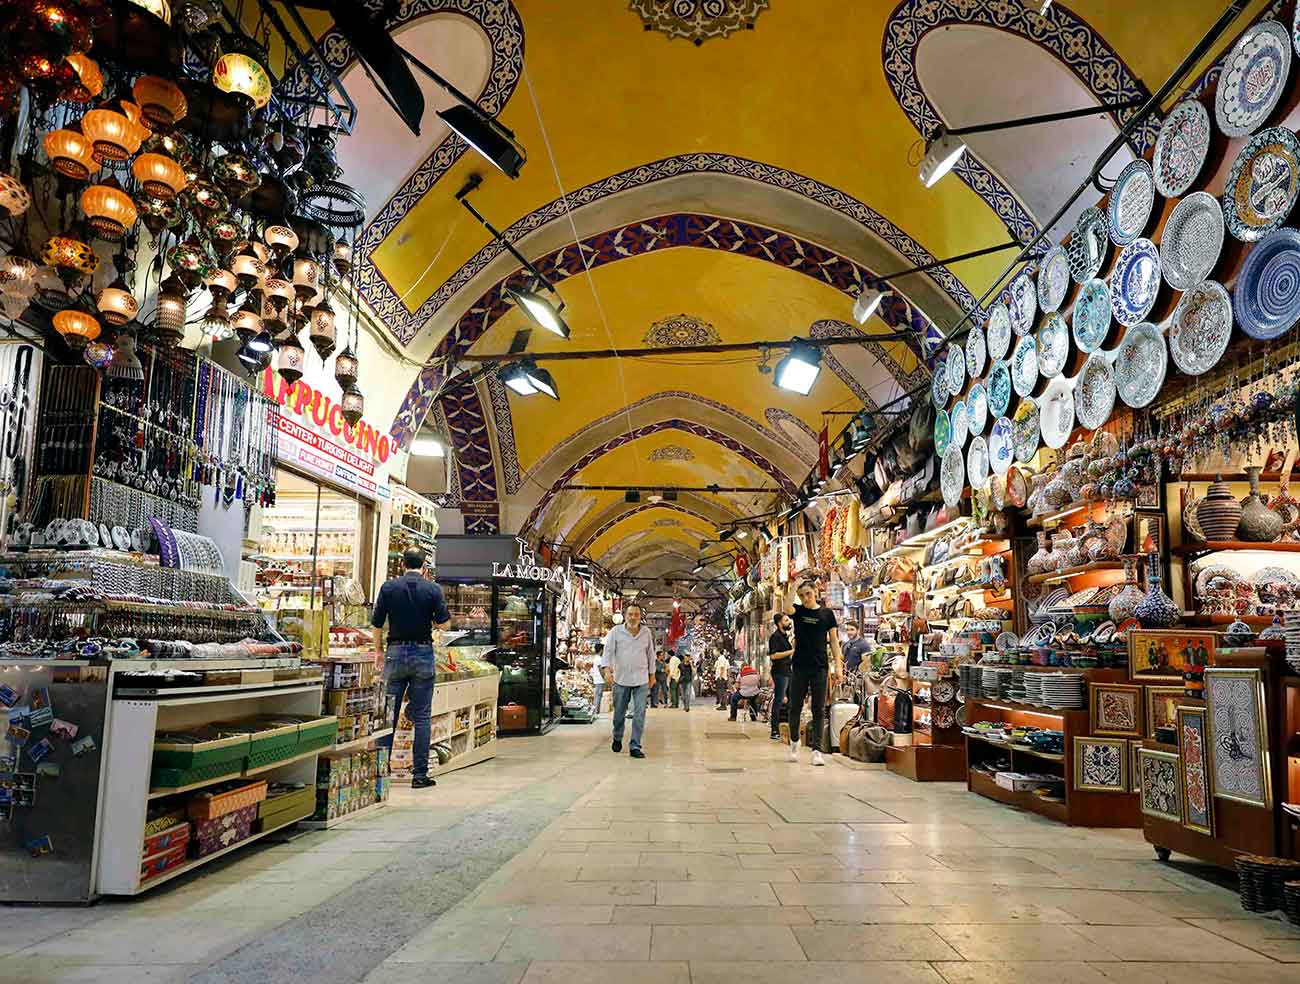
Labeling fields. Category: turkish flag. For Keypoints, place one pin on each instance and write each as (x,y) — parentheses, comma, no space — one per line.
(676,627)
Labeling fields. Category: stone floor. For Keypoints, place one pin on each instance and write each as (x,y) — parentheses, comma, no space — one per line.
(714,861)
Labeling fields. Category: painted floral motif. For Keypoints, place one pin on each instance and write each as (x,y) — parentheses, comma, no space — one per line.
(1159,784)
(698,20)
(671,452)
(679,331)
(1196,778)
(1117,711)
(1099,765)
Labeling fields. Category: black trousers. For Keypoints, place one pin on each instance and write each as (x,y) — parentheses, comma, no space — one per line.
(805,683)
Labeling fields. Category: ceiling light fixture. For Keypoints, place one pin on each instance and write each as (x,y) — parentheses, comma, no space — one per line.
(427,447)
(942,152)
(526,378)
(798,370)
(631,496)
(539,309)
(493,141)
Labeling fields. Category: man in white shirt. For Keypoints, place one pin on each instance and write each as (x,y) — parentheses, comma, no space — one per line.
(674,677)
(721,671)
(597,681)
(628,663)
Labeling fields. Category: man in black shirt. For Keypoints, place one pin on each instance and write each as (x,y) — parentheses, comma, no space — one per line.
(856,649)
(411,605)
(814,629)
(779,651)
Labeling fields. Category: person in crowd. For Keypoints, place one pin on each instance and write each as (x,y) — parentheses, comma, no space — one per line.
(779,651)
(686,681)
(811,668)
(628,662)
(721,672)
(746,690)
(856,649)
(411,606)
(597,681)
(660,682)
(674,677)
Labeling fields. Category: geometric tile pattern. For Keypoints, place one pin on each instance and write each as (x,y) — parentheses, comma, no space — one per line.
(698,20)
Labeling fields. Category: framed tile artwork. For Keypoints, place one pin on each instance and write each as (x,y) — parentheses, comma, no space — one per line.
(1160,785)
(1238,735)
(1193,754)
(1101,765)
(1116,709)
(1134,769)
(1162,708)
(1162,654)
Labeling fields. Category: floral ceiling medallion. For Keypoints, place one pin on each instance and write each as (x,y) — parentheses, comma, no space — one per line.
(680,331)
(698,20)
(671,452)
(668,522)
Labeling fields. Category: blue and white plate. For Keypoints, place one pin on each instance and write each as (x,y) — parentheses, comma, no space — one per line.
(1263,184)
(1053,345)
(1001,446)
(998,330)
(1092,315)
(977,409)
(956,369)
(942,432)
(977,463)
(1131,199)
(1088,245)
(1053,279)
(976,353)
(939,385)
(1253,79)
(1135,282)
(1266,297)
(1024,367)
(960,425)
(1181,147)
(1022,302)
(999,387)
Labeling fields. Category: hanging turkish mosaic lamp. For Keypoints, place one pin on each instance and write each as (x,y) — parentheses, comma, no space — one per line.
(353,404)
(248,269)
(306,277)
(241,73)
(109,210)
(162,104)
(71,256)
(289,361)
(161,9)
(18,276)
(159,176)
(246,322)
(282,240)
(342,257)
(190,262)
(169,317)
(345,369)
(71,154)
(116,304)
(323,329)
(90,79)
(76,327)
(15,199)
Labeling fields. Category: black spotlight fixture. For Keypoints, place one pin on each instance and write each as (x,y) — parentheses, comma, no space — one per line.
(493,141)
(631,495)
(526,378)
(727,534)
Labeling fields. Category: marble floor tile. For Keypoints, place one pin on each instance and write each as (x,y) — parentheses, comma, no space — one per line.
(870,943)
(705,915)
(1175,944)
(705,942)
(391,972)
(939,915)
(458,941)
(1023,943)
(827,893)
(819,971)
(716,893)
(576,943)
(605,972)
(1003,972)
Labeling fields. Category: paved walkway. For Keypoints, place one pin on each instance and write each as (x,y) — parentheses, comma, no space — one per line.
(714,861)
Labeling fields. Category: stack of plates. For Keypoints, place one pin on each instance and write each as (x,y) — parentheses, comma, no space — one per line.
(989,681)
(1017,689)
(1064,690)
(968,675)
(1034,688)
(1293,639)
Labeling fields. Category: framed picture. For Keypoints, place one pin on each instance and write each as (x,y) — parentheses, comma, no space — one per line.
(1238,735)
(1193,752)
(1116,709)
(1162,708)
(1163,654)
(1134,768)
(1148,497)
(1101,765)
(1160,784)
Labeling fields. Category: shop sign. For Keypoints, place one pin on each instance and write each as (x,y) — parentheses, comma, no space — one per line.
(526,568)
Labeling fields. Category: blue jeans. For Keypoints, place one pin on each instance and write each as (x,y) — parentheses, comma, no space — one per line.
(596,696)
(410,672)
(780,684)
(637,695)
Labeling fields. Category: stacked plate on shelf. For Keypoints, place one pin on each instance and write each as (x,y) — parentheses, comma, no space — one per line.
(1064,690)
(1034,688)
(1292,619)
(989,682)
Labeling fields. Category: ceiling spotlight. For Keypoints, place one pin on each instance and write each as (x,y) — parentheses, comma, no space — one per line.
(631,495)
(540,309)
(866,304)
(654,497)
(742,533)
(697,568)
(670,495)
(726,534)
(942,152)
(427,447)
(487,136)
(261,343)
(526,378)
(798,370)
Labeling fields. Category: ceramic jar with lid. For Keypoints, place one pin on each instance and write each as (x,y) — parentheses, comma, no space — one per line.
(1062,544)
(1219,513)
(1258,523)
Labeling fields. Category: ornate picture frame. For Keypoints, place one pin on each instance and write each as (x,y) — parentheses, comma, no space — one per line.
(1194,757)
(1101,765)
(1159,655)
(1238,735)
(1161,785)
(1162,707)
(1115,709)
(1135,769)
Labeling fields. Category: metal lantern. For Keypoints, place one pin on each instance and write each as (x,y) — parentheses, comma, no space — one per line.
(342,257)
(290,360)
(76,326)
(161,102)
(345,368)
(353,404)
(306,277)
(322,334)
(216,323)
(169,318)
(109,210)
(71,154)
(69,253)
(246,322)
(281,239)
(160,177)
(116,304)
(249,269)
(242,75)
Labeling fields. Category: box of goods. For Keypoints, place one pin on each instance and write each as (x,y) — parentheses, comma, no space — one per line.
(198,755)
(285,673)
(381,761)
(162,818)
(156,864)
(166,840)
(1024,782)
(227,798)
(220,832)
(272,737)
(284,804)
(381,789)
(257,676)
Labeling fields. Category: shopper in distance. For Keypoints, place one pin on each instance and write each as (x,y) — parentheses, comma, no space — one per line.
(628,662)
(814,634)
(779,651)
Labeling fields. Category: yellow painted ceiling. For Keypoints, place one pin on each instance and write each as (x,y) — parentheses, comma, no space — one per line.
(689,532)
(629,464)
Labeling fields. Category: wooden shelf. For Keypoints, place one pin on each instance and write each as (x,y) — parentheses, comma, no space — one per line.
(330,824)
(982,783)
(1210,546)
(1018,749)
(1043,519)
(1069,572)
(927,537)
(361,742)
(180,869)
(1230,477)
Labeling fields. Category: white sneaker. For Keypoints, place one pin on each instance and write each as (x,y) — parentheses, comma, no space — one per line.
(793,755)
(817,757)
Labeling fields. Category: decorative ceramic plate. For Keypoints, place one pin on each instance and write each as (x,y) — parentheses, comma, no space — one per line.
(1253,79)
(939,384)
(1056,412)
(1094,392)
(960,425)
(1217,572)
(1001,446)
(976,353)
(999,386)
(1129,208)
(1088,245)
(1053,279)
(1181,147)
(1024,366)
(1017,484)
(1200,328)
(956,369)
(1022,302)
(977,409)
(977,464)
(1092,315)
(942,432)
(1266,297)
(121,538)
(1192,240)
(1053,345)
(952,476)
(997,489)
(998,331)
(1265,575)
(1263,184)
(1140,364)
(1135,282)
(1025,430)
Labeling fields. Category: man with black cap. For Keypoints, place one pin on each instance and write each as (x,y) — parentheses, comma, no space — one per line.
(412,605)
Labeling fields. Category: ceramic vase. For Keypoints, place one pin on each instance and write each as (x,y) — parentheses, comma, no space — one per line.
(1038,563)
(1156,610)
(1258,523)
(1062,543)
(1035,501)
(1124,604)
(1218,513)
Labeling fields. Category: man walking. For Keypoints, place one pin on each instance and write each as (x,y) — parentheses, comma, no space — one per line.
(674,676)
(779,650)
(686,681)
(814,629)
(721,671)
(412,606)
(597,681)
(659,685)
(629,664)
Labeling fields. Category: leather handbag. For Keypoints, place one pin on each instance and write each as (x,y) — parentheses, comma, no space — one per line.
(512,717)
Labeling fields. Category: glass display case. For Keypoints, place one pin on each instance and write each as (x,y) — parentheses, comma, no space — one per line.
(471,607)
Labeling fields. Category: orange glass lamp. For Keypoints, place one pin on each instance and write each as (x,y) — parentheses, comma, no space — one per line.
(71,154)
(243,76)
(112,136)
(161,9)
(90,79)
(161,102)
(159,176)
(109,210)
(77,327)
(116,304)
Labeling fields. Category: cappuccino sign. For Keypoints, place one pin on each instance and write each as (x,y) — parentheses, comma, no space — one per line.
(526,568)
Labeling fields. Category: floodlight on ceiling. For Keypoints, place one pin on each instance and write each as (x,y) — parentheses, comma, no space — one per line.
(540,309)
(261,343)
(526,378)
(726,534)
(427,447)
(631,496)
(942,152)
(867,304)
(798,370)
(493,141)
(697,568)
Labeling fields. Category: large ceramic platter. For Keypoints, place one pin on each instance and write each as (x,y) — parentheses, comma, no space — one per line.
(1135,282)
(1263,184)
(942,432)
(1192,240)
(1088,244)
(1053,279)
(1200,328)
(1024,366)
(998,331)
(1092,315)
(960,424)
(977,463)
(1056,412)
(956,369)
(1131,200)
(999,387)
(1022,302)
(976,353)
(977,409)
(1001,446)
(939,385)
(1266,297)
(1094,392)
(1025,430)
(952,476)
(1181,147)
(1141,364)
(1253,79)
(1053,345)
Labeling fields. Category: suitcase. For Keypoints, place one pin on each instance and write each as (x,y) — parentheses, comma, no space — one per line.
(841,714)
(512,717)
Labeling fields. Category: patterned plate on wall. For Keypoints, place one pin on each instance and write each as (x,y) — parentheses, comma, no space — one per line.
(1266,296)
(952,476)
(1141,364)
(1088,245)
(1263,184)
(956,369)
(1024,366)
(1131,199)
(1181,147)
(1092,315)
(1022,302)
(1053,345)
(942,432)
(939,385)
(1056,412)
(1200,328)
(999,386)
(1001,447)
(977,463)
(960,424)
(1254,77)
(998,331)
(1094,392)
(977,409)
(976,353)
(1135,282)
(1053,279)
(1025,430)
(1192,240)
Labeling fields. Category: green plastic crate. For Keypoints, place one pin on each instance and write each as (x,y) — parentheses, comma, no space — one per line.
(317,733)
(196,755)
(171,778)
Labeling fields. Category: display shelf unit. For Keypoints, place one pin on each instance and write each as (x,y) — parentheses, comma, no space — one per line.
(1089,568)
(331,824)
(450,699)
(935,754)
(1212,546)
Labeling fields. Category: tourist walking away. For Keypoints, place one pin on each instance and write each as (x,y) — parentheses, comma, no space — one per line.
(779,651)
(659,685)
(686,681)
(814,634)
(629,665)
(674,676)
(855,649)
(746,690)
(721,672)
(597,681)
(411,606)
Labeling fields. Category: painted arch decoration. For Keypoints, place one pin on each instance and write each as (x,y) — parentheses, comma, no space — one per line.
(613,521)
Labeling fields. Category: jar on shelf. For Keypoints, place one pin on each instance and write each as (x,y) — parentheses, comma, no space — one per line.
(1258,523)
(1124,605)
(1156,610)
(1219,512)
(1038,563)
